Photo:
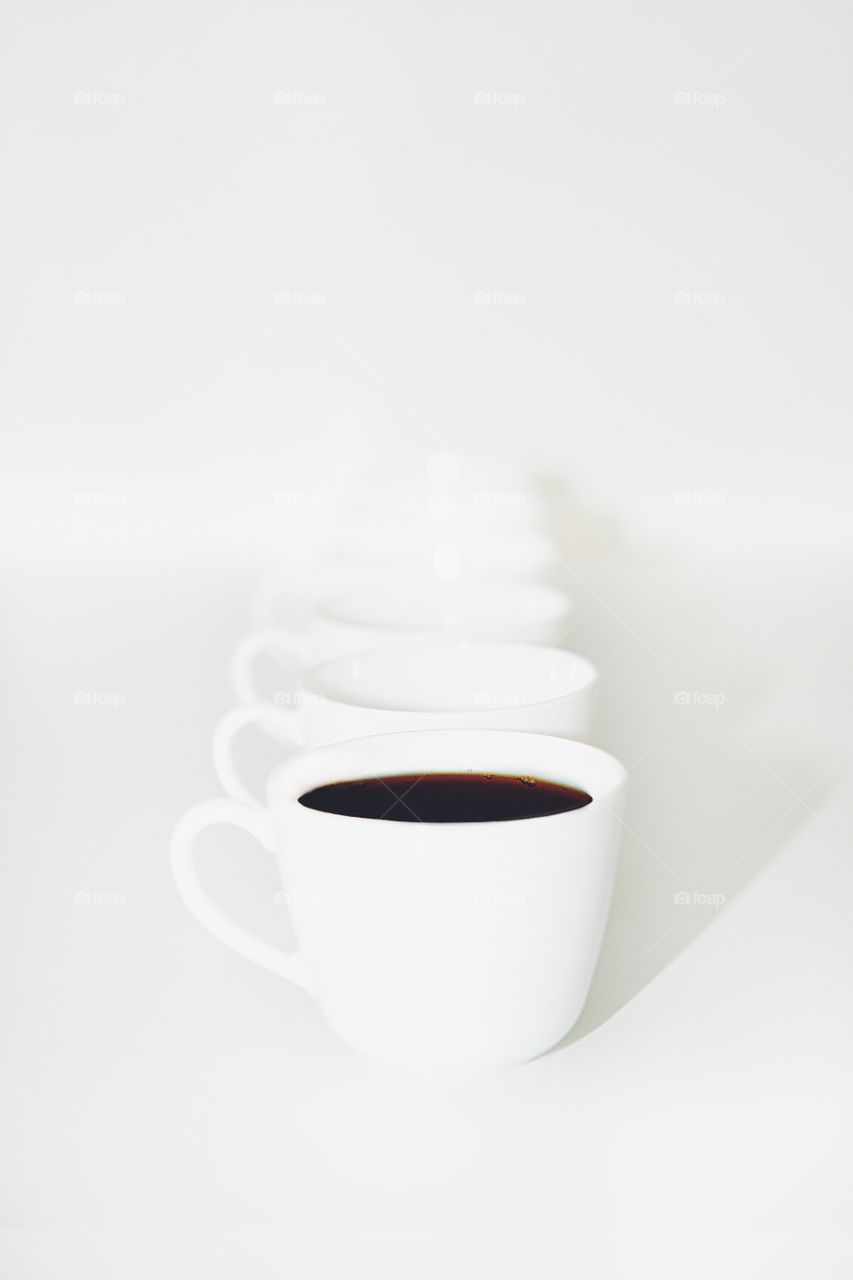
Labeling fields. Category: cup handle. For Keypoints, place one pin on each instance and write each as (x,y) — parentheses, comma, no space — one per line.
(285,718)
(285,585)
(290,643)
(297,587)
(257,822)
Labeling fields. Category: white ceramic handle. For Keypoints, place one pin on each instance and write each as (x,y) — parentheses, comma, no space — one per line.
(296,589)
(286,719)
(284,586)
(257,823)
(268,640)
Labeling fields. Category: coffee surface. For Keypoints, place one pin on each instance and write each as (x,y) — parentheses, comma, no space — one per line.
(446,797)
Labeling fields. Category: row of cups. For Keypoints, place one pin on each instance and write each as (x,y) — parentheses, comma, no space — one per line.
(386,654)
(434,947)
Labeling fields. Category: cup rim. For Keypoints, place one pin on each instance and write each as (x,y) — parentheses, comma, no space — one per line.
(350,759)
(533,533)
(589,674)
(560,602)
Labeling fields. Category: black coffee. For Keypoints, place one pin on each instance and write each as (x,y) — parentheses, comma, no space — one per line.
(446,797)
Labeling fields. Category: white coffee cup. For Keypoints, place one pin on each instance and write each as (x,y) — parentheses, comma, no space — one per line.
(432,946)
(457,685)
(375,611)
(450,550)
(454,552)
(478,504)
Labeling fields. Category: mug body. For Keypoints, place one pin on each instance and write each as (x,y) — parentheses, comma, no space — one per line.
(449,946)
(388,610)
(451,550)
(468,685)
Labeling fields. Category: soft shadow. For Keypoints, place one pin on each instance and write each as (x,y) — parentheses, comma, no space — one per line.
(712,794)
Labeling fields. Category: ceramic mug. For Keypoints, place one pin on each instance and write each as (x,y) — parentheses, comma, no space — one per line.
(451,550)
(439,553)
(377,611)
(461,685)
(432,946)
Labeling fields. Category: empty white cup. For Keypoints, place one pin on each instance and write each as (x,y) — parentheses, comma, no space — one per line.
(458,685)
(376,611)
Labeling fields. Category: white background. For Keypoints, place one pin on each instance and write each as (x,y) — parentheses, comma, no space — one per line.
(656,203)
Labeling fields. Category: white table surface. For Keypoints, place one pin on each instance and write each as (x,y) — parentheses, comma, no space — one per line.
(698,1121)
